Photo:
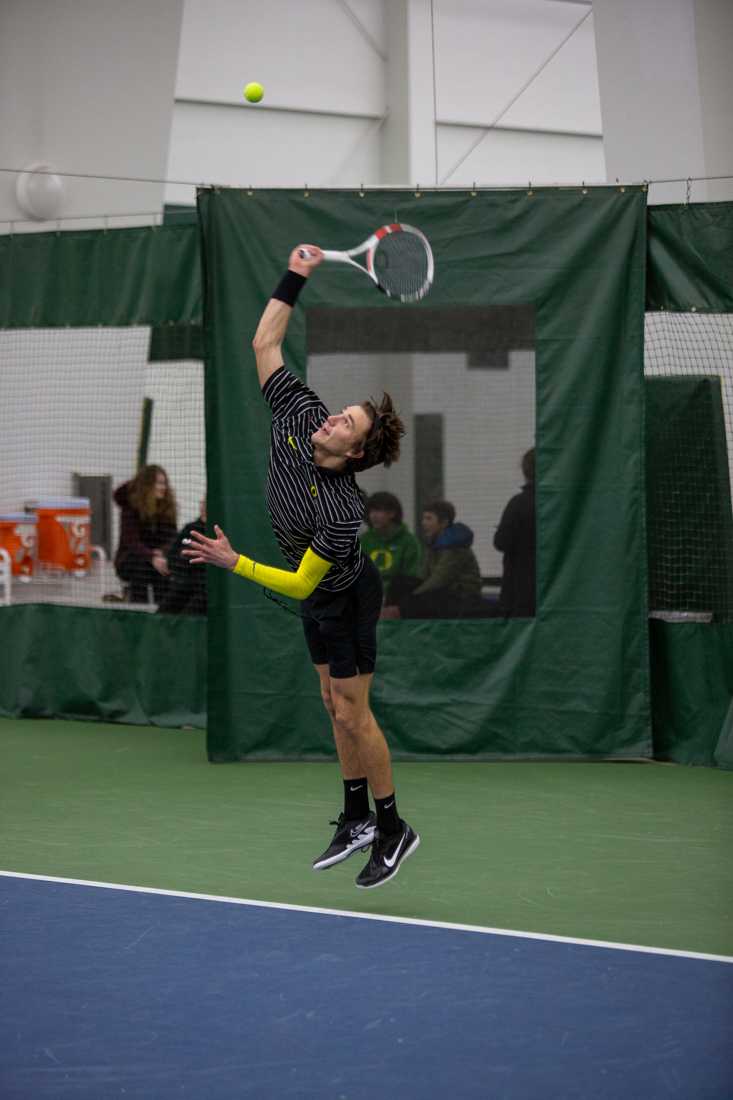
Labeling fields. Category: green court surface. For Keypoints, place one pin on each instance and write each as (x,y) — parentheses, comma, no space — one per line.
(629,853)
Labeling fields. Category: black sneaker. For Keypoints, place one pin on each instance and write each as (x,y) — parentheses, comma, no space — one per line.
(387,855)
(350,837)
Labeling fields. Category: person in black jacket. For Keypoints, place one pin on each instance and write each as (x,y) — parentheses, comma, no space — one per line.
(516,538)
(187,583)
(147,529)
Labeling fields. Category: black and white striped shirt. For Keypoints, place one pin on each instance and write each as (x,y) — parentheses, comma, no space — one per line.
(309,505)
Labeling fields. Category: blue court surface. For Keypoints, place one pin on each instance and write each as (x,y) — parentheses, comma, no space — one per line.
(111,992)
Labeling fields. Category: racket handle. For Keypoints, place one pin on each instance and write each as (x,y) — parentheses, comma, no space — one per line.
(328,254)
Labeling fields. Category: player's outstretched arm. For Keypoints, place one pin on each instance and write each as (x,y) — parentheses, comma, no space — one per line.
(201,550)
(273,324)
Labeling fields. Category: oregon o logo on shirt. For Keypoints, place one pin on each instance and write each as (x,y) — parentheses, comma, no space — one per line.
(382,558)
(314,491)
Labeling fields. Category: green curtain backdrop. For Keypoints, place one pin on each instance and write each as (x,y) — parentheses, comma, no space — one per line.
(443,688)
(103,665)
(142,276)
(573,682)
(690,257)
(692,681)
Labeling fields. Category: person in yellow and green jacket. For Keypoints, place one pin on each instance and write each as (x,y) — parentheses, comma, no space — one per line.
(390,544)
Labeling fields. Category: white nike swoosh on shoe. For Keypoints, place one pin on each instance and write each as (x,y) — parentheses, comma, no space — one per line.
(391,862)
(388,878)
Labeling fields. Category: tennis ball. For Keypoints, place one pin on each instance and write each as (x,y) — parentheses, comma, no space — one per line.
(254,92)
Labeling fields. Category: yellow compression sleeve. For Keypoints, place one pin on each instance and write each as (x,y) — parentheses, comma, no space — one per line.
(311,572)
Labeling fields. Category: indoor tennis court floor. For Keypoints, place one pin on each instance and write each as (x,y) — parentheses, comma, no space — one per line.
(563,931)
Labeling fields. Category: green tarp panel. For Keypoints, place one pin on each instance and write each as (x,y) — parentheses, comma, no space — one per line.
(724,747)
(142,276)
(689,518)
(692,692)
(690,257)
(574,681)
(169,343)
(102,664)
(177,213)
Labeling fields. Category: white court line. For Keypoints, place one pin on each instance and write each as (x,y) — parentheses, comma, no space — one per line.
(375,916)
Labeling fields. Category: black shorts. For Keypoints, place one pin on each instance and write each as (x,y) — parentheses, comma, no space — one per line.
(341,627)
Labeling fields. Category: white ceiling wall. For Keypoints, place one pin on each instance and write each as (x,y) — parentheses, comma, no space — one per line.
(86,85)
(523,76)
(667,82)
(324,66)
(487,50)
(309,56)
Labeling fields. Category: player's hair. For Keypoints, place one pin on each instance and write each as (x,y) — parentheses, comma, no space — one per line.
(385,502)
(443,509)
(382,444)
(143,499)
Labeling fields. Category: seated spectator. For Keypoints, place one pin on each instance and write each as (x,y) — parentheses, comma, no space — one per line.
(186,593)
(450,587)
(147,529)
(393,548)
(515,537)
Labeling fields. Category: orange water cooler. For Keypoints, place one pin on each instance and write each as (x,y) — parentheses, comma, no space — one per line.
(18,535)
(64,534)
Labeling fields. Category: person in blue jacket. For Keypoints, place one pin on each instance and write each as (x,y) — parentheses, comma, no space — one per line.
(450,586)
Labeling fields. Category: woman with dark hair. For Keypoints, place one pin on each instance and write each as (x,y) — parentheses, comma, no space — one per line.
(147,529)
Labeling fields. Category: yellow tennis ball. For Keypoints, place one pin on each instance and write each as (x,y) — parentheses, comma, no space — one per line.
(254,92)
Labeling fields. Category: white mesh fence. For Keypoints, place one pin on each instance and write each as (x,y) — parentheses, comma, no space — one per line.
(690,456)
(71,418)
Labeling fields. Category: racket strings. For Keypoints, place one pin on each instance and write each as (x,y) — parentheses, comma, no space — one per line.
(402,265)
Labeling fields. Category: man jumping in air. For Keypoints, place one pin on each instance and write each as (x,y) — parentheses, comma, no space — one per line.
(316,510)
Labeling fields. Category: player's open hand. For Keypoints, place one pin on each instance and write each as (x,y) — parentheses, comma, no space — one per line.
(304,265)
(201,550)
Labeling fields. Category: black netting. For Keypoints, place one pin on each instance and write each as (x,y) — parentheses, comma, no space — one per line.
(689,396)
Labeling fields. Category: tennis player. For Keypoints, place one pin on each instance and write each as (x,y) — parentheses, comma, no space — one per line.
(316,510)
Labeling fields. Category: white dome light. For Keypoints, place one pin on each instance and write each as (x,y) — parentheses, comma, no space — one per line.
(40,192)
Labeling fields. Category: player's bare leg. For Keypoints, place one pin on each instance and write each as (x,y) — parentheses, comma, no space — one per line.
(358,730)
(346,748)
(353,718)
(356,826)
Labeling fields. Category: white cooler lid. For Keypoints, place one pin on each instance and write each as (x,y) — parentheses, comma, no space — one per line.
(58,502)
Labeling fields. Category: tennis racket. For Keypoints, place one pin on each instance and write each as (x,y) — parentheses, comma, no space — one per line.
(397,258)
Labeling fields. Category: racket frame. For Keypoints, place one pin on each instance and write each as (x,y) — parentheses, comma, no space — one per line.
(369,246)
